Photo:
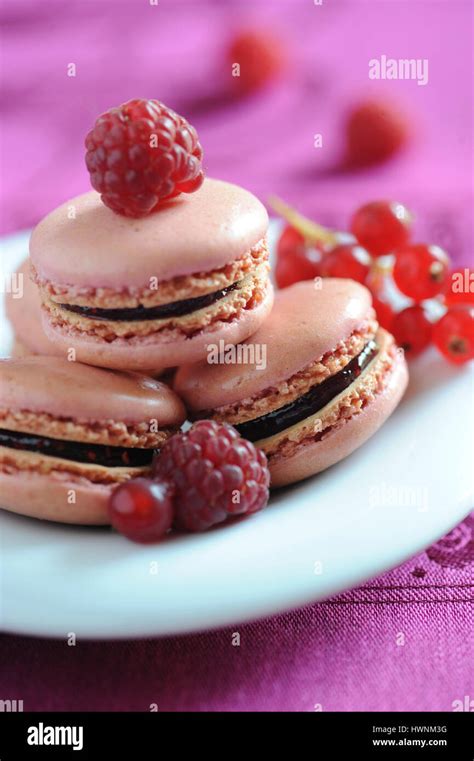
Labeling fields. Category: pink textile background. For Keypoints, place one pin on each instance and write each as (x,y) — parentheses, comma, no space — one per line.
(174,51)
(341,654)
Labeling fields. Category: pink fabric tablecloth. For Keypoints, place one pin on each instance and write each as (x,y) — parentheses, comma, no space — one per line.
(403,641)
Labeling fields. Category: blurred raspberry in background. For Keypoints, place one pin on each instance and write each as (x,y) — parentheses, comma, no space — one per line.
(375,131)
(257,58)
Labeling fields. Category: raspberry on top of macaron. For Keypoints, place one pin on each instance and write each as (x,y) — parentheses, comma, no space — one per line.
(141,154)
(330,378)
(145,291)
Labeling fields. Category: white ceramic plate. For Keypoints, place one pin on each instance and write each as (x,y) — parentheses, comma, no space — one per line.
(405,488)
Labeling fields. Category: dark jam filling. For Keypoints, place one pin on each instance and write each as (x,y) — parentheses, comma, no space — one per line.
(176,309)
(92,454)
(315,399)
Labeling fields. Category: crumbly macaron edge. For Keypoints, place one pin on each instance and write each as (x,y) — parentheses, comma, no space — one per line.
(274,397)
(344,407)
(160,291)
(15,462)
(107,432)
(250,293)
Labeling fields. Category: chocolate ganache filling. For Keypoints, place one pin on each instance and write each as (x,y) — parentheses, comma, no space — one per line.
(134,314)
(92,454)
(309,403)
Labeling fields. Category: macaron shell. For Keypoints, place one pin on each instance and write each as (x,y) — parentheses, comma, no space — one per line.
(19,350)
(153,354)
(70,389)
(85,244)
(24,315)
(39,496)
(306,322)
(312,458)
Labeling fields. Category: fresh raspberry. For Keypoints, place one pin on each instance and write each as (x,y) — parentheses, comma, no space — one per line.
(216,474)
(375,131)
(140,154)
(260,57)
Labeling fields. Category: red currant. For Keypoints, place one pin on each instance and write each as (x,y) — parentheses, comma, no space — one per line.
(453,335)
(384,311)
(460,288)
(349,260)
(382,226)
(421,271)
(295,260)
(290,240)
(142,509)
(412,330)
(375,131)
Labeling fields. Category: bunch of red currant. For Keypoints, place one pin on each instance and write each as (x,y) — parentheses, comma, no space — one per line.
(380,254)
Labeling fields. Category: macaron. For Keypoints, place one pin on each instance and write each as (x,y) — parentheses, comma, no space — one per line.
(23,310)
(70,433)
(315,381)
(142,294)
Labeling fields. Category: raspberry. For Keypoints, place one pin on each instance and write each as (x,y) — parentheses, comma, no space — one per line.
(260,57)
(141,509)
(375,131)
(140,154)
(216,474)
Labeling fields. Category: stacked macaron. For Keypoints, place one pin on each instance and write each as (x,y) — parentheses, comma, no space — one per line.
(71,433)
(148,293)
(330,378)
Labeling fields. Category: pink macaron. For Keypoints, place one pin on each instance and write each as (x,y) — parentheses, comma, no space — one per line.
(23,310)
(142,294)
(311,385)
(70,433)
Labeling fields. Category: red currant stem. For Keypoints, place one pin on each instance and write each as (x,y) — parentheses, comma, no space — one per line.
(312,232)
(381,268)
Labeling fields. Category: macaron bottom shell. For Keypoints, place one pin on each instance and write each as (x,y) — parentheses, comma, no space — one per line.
(312,457)
(152,353)
(39,496)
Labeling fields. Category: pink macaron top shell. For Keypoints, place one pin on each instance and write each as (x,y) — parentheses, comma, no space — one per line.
(306,322)
(25,316)
(85,244)
(72,390)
